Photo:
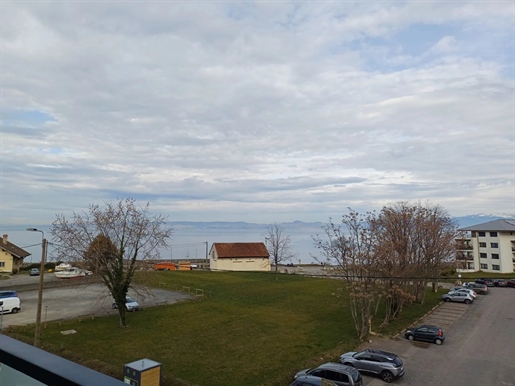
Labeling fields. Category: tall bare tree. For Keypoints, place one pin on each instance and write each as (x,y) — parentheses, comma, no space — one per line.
(389,257)
(111,240)
(350,249)
(278,244)
(417,243)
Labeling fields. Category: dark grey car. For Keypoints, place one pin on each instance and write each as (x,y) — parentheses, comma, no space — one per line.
(340,374)
(478,288)
(377,362)
(310,380)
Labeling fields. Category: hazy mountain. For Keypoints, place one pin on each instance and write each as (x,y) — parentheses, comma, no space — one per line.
(463,221)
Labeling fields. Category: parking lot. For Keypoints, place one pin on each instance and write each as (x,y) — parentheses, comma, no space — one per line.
(479,348)
(81,300)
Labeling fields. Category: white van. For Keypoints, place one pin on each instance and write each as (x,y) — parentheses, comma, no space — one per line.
(10,305)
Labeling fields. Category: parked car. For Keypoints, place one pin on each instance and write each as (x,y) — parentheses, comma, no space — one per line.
(341,375)
(34,272)
(310,380)
(11,304)
(465,290)
(487,282)
(377,362)
(481,289)
(8,294)
(458,297)
(131,305)
(426,333)
(499,283)
(510,283)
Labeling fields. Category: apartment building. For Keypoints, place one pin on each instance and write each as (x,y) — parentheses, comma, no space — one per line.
(488,247)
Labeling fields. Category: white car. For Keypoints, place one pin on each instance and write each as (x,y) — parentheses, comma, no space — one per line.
(465,290)
(131,305)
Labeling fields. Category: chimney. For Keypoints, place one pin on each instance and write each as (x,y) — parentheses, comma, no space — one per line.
(4,239)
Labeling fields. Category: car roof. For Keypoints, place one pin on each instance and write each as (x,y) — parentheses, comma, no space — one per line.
(337,366)
(427,325)
(381,352)
(311,379)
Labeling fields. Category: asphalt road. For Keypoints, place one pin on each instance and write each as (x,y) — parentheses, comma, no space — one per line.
(81,300)
(479,348)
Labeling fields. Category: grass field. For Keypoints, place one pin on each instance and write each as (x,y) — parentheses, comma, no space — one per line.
(251,329)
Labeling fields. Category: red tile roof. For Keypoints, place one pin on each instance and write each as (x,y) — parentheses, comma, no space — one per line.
(236,250)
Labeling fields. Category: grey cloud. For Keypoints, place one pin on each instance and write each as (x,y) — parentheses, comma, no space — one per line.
(268,104)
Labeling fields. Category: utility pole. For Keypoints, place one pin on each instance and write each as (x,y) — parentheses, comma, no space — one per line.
(37,331)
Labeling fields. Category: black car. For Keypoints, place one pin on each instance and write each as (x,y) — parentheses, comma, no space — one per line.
(499,283)
(510,283)
(426,333)
(487,282)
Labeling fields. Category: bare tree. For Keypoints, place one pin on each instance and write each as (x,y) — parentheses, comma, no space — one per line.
(417,243)
(351,251)
(390,257)
(278,244)
(112,240)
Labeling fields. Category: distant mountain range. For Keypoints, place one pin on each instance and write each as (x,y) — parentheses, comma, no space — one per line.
(463,221)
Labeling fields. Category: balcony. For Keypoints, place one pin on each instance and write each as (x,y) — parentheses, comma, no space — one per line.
(23,364)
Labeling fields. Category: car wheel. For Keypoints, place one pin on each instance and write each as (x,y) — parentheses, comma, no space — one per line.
(411,337)
(467,301)
(438,341)
(447,300)
(387,376)
(14,310)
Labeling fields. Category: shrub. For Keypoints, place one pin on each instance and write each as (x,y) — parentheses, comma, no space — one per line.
(15,271)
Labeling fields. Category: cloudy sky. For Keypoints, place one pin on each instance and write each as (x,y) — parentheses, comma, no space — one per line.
(261,112)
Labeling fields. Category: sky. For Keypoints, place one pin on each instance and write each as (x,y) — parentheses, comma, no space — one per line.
(263,112)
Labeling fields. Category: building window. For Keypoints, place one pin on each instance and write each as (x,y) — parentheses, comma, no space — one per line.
(493,234)
(484,266)
(2,263)
(494,245)
(482,245)
(481,234)
(495,256)
(496,267)
(482,255)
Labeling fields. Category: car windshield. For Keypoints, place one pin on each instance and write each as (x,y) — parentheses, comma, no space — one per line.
(356,376)
(130,300)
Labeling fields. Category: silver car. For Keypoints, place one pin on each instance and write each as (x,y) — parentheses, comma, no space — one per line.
(465,290)
(377,362)
(458,297)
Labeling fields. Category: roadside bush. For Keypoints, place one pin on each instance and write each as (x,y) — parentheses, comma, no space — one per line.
(15,271)
(449,272)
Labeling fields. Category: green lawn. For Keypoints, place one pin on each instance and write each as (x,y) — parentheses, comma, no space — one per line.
(252,329)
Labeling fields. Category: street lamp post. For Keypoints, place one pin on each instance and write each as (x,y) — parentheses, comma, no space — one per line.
(37,331)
